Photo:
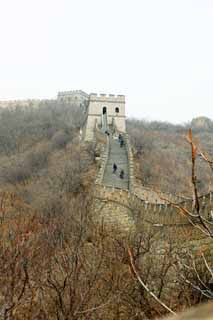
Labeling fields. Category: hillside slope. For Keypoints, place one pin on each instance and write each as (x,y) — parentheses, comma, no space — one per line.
(163,156)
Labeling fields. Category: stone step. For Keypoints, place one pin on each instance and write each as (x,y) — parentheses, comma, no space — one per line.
(119,156)
(111,213)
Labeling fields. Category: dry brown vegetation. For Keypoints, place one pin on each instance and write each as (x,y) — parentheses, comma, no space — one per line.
(56,263)
(65,267)
(164,158)
(40,152)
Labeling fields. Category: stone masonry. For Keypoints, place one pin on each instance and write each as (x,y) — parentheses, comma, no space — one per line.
(74,96)
(102,106)
(121,208)
(125,205)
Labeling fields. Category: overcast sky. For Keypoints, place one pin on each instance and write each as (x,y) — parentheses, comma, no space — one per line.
(159,53)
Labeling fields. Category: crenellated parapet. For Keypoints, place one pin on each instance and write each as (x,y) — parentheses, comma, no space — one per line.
(160,210)
(73,94)
(110,98)
(157,215)
(23,103)
(160,218)
(104,159)
(130,163)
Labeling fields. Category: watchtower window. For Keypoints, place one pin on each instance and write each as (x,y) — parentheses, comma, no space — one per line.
(117,110)
(104,110)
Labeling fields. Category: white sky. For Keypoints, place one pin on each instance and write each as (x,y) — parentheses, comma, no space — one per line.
(159,53)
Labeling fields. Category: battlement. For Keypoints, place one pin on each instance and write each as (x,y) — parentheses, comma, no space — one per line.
(72,92)
(21,102)
(156,209)
(102,97)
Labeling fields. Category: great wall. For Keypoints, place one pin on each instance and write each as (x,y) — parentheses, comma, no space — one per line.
(124,202)
(107,114)
(125,206)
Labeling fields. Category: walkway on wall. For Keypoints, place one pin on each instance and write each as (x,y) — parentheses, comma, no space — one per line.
(118,206)
(119,156)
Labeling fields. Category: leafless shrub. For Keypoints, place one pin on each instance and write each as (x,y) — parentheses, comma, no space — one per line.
(162,155)
(14,172)
(60,139)
(37,158)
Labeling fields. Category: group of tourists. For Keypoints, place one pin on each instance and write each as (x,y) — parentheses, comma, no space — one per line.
(107,133)
(115,169)
(120,138)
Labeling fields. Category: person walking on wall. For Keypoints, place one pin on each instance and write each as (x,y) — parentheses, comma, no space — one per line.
(122,174)
(115,167)
(121,143)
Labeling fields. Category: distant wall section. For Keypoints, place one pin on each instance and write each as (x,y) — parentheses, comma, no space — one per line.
(77,97)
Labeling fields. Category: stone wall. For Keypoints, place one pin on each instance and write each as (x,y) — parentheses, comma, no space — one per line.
(155,213)
(24,103)
(173,237)
(104,159)
(160,213)
(153,196)
(130,163)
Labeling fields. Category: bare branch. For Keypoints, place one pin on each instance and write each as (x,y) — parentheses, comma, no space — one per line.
(144,285)
(196,287)
(207,265)
(206,158)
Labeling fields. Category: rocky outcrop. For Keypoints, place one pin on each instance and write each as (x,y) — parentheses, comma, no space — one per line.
(201,123)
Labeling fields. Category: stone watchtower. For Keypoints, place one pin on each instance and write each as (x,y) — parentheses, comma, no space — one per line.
(105,110)
(77,97)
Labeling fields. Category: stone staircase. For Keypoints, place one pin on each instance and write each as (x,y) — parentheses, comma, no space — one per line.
(119,156)
(122,204)
(112,212)
(123,209)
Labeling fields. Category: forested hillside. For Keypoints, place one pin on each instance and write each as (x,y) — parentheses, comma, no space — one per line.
(31,136)
(40,152)
(56,262)
(163,154)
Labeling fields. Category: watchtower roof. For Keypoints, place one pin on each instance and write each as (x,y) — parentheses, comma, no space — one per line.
(72,93)
(102,97)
